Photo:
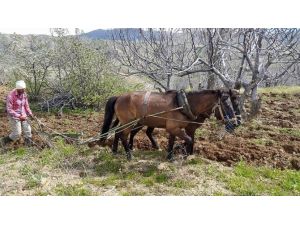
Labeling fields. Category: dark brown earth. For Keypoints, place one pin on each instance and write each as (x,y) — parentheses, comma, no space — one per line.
(271,139)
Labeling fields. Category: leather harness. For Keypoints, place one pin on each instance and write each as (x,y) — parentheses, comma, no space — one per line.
(145,103)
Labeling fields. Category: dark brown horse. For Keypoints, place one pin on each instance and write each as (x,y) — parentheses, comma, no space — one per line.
(131,106)
(191,128)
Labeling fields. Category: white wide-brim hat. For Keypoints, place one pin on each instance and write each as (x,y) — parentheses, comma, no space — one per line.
(20,84)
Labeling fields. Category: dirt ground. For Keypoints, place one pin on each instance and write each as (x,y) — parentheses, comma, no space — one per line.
(271,139)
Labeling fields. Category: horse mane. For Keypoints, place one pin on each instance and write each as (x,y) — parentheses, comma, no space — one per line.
(170,91)
(203,92)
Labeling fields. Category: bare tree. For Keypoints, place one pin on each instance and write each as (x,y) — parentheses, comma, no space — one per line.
(157,54)
(34,57)
(237,57)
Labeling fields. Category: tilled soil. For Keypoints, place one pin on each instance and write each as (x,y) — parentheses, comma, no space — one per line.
(271,139)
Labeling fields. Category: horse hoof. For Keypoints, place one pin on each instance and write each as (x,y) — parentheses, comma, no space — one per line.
(170,159)
(129,157)
(155,147)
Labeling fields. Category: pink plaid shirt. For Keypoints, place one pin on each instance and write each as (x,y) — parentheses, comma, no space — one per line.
(17,105)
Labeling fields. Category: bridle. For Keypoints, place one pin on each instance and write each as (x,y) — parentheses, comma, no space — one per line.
(225,118)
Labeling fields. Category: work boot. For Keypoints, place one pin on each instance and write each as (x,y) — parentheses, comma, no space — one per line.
(28,142)
(4,141)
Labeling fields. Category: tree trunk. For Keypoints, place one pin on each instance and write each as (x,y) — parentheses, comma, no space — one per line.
(255,102)
(211,81)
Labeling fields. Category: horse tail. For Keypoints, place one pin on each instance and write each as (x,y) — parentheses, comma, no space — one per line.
(108,116)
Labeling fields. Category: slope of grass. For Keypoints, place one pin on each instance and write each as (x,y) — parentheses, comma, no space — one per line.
(280,90)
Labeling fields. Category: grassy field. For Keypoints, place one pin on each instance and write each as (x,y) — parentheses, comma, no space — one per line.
(67,170)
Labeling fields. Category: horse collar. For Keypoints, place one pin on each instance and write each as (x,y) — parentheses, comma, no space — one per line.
(145,103)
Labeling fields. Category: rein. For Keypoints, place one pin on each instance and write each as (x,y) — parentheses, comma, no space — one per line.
(133,123)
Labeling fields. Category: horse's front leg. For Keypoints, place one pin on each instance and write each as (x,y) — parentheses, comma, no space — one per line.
(116,143)
(190,131)
(182,135)
(170,147)
(124,138)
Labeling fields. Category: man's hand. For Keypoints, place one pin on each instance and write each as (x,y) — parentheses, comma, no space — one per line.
(22,118)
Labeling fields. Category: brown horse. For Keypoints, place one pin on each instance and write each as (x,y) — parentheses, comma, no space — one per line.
(191,128)
(131,106)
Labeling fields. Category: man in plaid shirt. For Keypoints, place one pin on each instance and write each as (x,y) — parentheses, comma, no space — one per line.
(18,111)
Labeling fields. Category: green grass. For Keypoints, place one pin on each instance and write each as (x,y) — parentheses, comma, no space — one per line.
(32,177)
(180,183)
(58,154)
(47,157)
(20,152)
(263,141)
(72,190)
(162,178)
(290,131)
(111,180)
(195,161)
(201,132)
(249,180)
(133,193)
(2,160)
(148,181)
(108,164)
(149,171)
(280,90)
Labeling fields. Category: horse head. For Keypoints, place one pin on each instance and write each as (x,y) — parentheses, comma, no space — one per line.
(228,110)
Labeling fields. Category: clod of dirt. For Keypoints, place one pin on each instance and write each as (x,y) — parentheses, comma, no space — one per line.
(82,174)
(295,163)
(286,124)
(289,148)
(163,166)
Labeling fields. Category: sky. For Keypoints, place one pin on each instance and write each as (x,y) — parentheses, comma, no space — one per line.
(25,31)
(36,16)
